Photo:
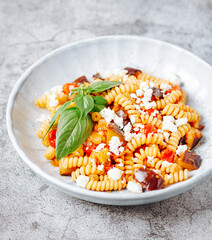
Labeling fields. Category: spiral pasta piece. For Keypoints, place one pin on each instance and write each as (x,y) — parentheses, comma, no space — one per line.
(156,163)
(71,162)
(107,185)
(111,94)
(170,98)
(50,153)
(43,129)
(141,140)
(149,78)
(152,151)
(149,119)
(176,177)
(42,101)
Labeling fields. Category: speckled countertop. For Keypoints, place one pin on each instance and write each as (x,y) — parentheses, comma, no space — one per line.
(31,209)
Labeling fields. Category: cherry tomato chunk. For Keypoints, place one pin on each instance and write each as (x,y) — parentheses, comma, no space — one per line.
(148,129)
(52,138)
(88,150)
(168,155)
(68,86)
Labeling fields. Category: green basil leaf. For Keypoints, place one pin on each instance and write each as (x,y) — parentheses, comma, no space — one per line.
(72,131)
(58,112)
(85,103)
(102,86)
(99,104)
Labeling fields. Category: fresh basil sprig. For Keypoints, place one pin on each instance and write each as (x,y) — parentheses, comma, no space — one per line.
(72,131)
(75,124)
(58,112)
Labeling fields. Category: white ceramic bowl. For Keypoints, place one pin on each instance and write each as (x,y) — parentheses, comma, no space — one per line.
(98,55)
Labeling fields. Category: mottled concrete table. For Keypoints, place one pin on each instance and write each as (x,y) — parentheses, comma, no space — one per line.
(31,209)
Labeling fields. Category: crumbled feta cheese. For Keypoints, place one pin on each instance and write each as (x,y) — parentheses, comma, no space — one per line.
(139,92)
(53,102)
(138,100)
(181,149)
(160,131)
(43,117)
(166,136)
(82,181)
(121,149)
(168,119)
(165,87)
(134,187)
(155,112)
(101,167)
(127,129)
(108,153)
(57,89)
(147,95)
(120,165)
(107,114)
(166,164)
(100,146)
(132,120)
(157,171)
(114,174)
(149,105)
(144,86)
(118,121)
(169,126)
(174,78)
(133,95)
(114,144)
(152,84)
(181,121)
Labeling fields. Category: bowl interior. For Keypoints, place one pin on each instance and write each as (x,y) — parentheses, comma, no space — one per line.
(99,55)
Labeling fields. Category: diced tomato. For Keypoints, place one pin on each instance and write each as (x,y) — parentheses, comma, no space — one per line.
(108,167)
(88,150)
(175,87)
(68,86)
(168,155)
(150,111)
(52,138)
(148,129)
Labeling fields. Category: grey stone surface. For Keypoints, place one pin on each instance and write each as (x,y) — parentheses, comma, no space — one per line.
(31,209)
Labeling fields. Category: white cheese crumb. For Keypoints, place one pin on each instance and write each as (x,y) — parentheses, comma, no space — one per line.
(168,119)
(107,114)
(120,165)
(165,87)
(127,130)
(138,100)
(43,117)
(166,164)
(133,95)
(134,187)
(118,121)
(121,149)
(53,102)
(139,92)
(101,167)
(157,171)
(155,112)
(132,120)
(57,89)
(114,174)
(100,146)
(166,136)
(181,121)
(160,131)
(152,84)
(108,153)
(174,78)
(82,181)
(181,149)
(149,105)
(168,124)
(114,144)
(144,86)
